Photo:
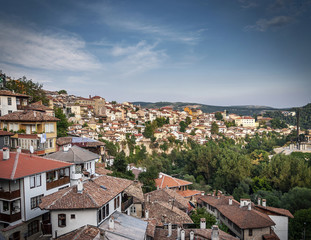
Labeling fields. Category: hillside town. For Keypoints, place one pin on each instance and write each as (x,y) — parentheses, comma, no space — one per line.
(60,188)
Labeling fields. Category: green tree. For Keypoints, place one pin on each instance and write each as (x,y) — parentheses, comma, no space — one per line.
(183,126)
(300,225)
(296,199)
(62,124)
(218,116)
(188,120)
(119,163)
(215,128)
(28,87)
(202,213)
(147,178)
(62,91)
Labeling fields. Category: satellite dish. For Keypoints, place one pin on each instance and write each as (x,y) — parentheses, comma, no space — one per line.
(31,149)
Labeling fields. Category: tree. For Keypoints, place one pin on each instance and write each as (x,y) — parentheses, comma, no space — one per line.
(218,116)
(202,213)
(296,199)
(300,225)
(147,178)
(215,128)
(119,163)
(62,125)
(183,126)
(28,87)
(188,120)
(62,91)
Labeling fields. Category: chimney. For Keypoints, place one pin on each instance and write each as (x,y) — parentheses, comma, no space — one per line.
(148,198)
(259,201)
(202,223)
(146,214)
(215,232)
(264,202)
(6,153)
(111,223)
(241,203)
(90,96)
(249,207)
(66,147)
(178,232)
(18,149)
(79,186)
(183,234)
(230,201)
(169,230)
(192,235)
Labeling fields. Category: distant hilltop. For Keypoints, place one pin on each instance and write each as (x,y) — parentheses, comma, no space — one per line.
(239,110)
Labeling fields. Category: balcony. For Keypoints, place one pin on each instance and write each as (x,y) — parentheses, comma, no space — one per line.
(125,205)
(57,183)
(9,195)
(10,217)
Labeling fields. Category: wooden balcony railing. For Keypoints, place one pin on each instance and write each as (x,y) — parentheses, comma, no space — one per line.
(10,195)
(125,205)
(57,183)
(10,217)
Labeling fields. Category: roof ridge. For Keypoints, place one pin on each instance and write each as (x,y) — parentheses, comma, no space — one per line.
(15,165)
(63,195)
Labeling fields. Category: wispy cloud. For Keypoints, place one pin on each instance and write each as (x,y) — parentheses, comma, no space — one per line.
(29,48)
(248,3)
(134,59)
(263,25)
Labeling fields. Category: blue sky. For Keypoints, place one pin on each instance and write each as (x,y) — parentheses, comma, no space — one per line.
(220,52)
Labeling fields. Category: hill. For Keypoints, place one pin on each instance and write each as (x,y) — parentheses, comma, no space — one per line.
(239,110)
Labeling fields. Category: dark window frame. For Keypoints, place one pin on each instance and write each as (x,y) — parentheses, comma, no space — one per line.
(61,220)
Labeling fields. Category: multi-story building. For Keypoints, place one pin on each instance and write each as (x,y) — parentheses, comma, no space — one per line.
(245,121)
(32,129)
(90,202)
(24,179)
(11,102)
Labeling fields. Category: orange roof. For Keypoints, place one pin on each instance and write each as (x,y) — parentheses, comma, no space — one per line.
(20,165)
(189,193)
(168,181)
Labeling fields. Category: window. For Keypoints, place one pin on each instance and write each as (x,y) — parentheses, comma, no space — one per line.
(33,227)
(15,236)
(35,201)
(49,127)
(38,180)
(10,111)
(73,216)
(9,101)
(32,181)
(6,140)
(5,206)
(133,209)
(250,232)
(62,220)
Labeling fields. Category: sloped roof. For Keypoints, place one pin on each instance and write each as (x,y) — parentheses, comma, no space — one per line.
(96,192)
(169,181)
(167,195)
(277,211)
(5,133)
(245,218)
(135,191)
(20,165)
(74,154)
(125,227)
(38,106)
(28,116)
(202,234)
(9,93)
(189,193)
(164,212)
(86,232)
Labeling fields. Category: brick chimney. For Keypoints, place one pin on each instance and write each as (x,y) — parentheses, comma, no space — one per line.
(202,223)
(6,153)
(215,232)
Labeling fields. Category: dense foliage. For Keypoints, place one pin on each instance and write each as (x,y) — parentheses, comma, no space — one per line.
(28,87)
(62,124)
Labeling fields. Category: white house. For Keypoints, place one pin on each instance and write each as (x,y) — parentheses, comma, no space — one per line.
(89,202)
(24,180)
(11,102)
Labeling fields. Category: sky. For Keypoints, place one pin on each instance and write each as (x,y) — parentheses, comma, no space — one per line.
(215,52)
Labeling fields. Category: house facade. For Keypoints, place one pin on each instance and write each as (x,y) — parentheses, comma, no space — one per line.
(24,180)
(11,102)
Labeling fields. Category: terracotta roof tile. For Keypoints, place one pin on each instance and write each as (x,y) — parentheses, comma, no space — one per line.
(20,165)
(169,181)
(189,193)
(96,192)
(28,115)
(9,93)
(5,133)
(279,211)
(87,232)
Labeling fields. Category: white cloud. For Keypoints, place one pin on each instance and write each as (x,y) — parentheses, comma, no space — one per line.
(137,58)
(264,24)
(29,48)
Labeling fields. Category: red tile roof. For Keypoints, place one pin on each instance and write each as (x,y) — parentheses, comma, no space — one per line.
(9,93)
(5,133)
(277,211)
(169,181)
(28,116)
(189,193)
(20,165)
